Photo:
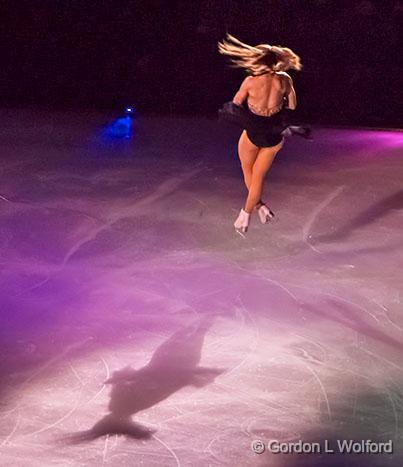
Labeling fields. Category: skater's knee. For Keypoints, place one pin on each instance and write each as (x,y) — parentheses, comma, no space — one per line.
(258,176)
(247,166)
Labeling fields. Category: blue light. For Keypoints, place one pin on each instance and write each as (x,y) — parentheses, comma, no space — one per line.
(122,127)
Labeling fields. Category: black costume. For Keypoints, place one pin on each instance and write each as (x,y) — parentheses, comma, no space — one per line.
(262,131)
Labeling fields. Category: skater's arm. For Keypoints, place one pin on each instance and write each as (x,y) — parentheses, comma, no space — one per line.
(243,92)
(290,94)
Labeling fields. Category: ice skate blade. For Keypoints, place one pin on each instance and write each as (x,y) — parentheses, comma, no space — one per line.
(267,220)
(271,220)
(240,232)
(266,217)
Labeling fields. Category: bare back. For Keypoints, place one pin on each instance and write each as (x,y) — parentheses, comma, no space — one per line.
(265,93)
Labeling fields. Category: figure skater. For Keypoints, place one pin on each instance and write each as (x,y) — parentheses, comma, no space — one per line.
(259,107)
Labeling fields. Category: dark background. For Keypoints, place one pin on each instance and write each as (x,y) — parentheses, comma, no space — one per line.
(161,56)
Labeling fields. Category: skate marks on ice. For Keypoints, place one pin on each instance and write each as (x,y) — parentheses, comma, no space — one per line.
(352,316)
(306,229)
(173,366)
(375,213)
(382,217)
(359,390)
(287,377)
(363,413)
(5,199)
(164,189)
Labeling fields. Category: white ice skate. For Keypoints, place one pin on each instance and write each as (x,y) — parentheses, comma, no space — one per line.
(265,214)
(242,223)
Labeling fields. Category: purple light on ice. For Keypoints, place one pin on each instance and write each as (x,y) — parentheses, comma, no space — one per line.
(376,137)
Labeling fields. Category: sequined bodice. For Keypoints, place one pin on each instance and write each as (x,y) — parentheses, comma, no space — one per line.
(264,112)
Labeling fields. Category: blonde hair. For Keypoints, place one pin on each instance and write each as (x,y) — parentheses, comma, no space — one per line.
(261,58)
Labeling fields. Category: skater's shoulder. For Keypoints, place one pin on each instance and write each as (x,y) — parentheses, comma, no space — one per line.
(283,74)
(247,82)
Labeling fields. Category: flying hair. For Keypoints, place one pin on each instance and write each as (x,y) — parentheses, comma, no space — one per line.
(261,58)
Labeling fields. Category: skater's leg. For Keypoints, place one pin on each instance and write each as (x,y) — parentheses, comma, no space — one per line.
(247,152)
(247,155)
(260,167)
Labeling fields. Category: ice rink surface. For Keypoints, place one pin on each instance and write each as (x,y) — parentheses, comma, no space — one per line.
(137,328)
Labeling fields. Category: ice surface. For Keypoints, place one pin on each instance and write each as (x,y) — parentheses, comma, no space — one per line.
(139,329)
